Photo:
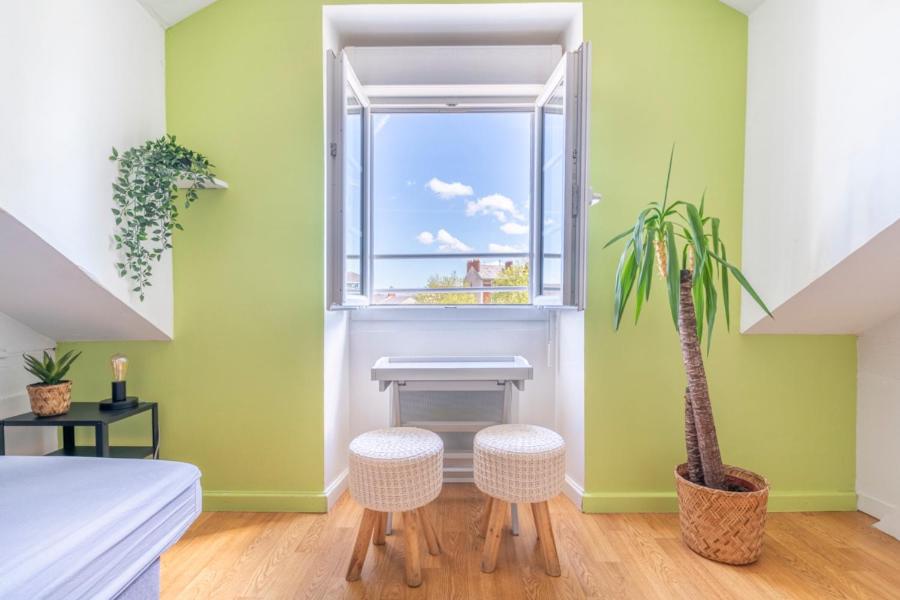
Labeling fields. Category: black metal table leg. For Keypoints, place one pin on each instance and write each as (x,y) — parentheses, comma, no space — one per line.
(2,441)
(101,439)
(154,418)
(69,439)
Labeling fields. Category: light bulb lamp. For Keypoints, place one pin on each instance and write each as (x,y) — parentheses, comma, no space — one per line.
(120,400)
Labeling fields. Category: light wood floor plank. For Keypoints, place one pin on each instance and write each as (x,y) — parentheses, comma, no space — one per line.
(303,556)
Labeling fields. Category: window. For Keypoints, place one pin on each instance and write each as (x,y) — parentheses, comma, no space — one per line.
(473,195)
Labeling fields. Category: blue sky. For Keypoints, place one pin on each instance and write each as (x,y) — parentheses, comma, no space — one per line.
(448,182)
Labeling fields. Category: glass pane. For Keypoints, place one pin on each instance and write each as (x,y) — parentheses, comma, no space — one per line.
(444,280)
(353,192)
(553,176)
(447,184)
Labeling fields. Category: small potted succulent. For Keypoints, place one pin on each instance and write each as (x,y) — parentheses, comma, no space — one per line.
(52,395)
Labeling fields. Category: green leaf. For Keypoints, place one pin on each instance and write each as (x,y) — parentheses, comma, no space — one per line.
(723,274)
(645,275)
(624,281)
(673,276)
(712,300)
(698,240)
(668,177)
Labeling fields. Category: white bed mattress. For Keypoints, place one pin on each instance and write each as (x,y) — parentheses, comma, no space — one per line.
(86,527)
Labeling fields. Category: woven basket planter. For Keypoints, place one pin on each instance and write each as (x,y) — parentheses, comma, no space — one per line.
(50,400)
(727,527)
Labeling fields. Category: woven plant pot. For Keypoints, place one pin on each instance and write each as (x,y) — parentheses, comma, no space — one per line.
(727,527)
(50,400)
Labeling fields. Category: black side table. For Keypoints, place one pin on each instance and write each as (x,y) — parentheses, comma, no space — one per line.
(88,414)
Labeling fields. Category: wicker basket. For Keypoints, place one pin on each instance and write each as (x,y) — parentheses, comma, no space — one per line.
(727,527)
(50,400)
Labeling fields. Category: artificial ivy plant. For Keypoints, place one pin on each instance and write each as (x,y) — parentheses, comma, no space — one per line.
(145,195)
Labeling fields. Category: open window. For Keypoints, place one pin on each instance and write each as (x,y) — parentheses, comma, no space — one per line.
(561,190)
(348,256)
(457,194)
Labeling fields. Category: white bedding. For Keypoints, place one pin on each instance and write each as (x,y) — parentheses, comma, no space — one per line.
(75,527)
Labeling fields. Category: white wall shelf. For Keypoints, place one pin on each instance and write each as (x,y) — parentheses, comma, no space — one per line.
(217,184)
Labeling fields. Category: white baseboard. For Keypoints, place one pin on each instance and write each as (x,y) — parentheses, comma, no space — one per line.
(573,491)
(887,514)
(334,489)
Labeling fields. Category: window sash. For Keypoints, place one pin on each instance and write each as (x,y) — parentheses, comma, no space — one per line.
(574,69)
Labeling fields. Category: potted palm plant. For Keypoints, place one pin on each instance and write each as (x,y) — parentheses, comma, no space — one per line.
(722,508)
(52,395)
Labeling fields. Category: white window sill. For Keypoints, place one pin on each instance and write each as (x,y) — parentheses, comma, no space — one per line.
(453,313)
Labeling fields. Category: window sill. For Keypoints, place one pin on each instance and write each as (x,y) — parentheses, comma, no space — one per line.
(453,313)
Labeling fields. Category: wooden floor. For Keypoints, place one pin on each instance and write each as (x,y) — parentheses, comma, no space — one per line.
(289,555)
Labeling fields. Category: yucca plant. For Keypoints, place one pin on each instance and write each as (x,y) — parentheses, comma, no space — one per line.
(691,258)
(49,371)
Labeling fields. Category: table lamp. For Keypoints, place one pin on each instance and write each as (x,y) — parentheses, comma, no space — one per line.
(120,399)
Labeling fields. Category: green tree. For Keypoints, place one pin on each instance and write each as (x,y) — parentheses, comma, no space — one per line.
(513,275)
(445,281)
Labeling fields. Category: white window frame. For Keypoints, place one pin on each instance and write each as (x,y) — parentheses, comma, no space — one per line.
(574,67)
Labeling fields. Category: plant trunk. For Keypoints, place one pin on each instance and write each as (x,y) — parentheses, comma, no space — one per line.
(694,465)
(698,390)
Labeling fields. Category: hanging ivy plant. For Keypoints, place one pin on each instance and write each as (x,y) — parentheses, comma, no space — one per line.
(145,196)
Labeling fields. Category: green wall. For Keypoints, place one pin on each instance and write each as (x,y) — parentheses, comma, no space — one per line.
(241,386)
(669,71)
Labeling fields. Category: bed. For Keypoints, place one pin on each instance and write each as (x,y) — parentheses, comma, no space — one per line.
(76,528)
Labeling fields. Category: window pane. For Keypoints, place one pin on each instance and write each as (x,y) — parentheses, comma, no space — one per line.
(353,191)
(553,176)
(444,280)
(447,184)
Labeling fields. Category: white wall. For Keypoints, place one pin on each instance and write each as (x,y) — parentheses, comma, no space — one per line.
(570,397)
(15,340)
(337,402)
(823,140)
(78,79)
(372,339)
(878,424)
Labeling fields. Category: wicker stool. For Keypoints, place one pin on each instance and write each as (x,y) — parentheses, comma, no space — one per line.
(399,469)
(518,464)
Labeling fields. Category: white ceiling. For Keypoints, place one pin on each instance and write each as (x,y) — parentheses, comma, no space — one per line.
(55,297)
(452,24)
(169,12)
(857,293)
(745,6)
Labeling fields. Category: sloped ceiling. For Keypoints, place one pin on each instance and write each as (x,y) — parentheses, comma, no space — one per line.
(169,12)
(745,6)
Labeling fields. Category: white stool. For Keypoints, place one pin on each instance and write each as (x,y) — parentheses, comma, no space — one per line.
(518,464)
(399,469)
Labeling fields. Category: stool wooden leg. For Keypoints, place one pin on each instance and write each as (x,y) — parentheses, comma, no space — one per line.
(411,538)
(548,544)
(492,536)
(363,537)
(380,525)
(431,538)
(534,515)
(485,516)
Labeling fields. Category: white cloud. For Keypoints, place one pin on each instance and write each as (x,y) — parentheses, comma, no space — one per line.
(514,228)
(449,190)
(492,247)
(495,204)
(448,243)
